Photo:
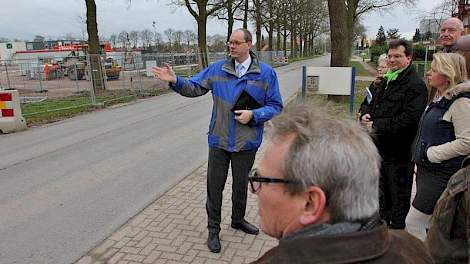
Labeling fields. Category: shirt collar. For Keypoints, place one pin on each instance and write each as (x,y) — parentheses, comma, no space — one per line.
(246,63)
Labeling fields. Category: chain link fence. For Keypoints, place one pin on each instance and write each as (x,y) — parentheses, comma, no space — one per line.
(64,85)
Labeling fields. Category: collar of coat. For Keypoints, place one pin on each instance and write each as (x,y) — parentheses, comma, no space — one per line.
(450,49)
(463,87)
(404,72)
(353,247)
(229,65)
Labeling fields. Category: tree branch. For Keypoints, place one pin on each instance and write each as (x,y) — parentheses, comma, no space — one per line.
(190,9)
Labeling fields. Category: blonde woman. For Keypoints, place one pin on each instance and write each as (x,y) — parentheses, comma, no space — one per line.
(443,138)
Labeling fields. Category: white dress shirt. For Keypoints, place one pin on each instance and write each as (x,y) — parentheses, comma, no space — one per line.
(242,68)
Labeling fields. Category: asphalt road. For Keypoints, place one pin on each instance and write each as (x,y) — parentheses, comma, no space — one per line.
(67,186)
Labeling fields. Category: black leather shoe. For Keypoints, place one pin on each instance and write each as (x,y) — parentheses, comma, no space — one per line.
(246,227)
(213,242)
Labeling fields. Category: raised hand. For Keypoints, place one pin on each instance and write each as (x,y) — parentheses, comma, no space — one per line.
(165,73)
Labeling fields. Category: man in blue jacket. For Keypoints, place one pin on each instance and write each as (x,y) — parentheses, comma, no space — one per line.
(234,135)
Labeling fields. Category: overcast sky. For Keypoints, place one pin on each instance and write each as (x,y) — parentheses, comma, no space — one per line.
(22,19)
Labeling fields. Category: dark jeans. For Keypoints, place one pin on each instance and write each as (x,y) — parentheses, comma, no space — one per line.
(217,169)
(395,185)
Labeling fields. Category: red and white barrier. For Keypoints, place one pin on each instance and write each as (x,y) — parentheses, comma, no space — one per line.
(11,119)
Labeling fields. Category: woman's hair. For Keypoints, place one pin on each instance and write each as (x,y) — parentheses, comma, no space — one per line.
(452,66)
(382,57)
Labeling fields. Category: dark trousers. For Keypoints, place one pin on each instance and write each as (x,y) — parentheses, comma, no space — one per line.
(395,185)
(217,169)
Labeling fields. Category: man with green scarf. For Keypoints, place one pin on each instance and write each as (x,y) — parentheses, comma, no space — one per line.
(393,122)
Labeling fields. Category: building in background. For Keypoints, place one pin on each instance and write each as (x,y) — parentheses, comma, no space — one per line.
(463,13)
(429,28)
(8,49)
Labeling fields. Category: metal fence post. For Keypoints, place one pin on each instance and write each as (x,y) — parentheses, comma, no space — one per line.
(103,75)
(8,77)
(304,81)
(76,78)
(40,78)
(138,73)
(90,76)
(123,71)
(353,92)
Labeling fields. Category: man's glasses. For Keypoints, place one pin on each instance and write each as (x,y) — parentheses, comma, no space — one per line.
(255,181)
(234,43)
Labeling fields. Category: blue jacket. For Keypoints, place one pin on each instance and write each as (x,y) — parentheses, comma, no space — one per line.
(260,81)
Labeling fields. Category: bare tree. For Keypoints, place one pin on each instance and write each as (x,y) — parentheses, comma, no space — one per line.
(39,38)
(169,35)
(228,13)
(442,11)
(201,10)
(344,14)
(245,13)
(216,43)
(258,23)
(93,45)
(123,39)
(146,36)
(113,39)
(189,37)
(283,23)
(177,39)
(157,40)
(134,38)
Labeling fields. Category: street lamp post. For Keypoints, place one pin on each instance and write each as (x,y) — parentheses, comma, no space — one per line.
(154,25)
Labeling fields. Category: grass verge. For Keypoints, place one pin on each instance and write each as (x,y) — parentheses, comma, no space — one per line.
(303,58)
(51,110)
(360,70)
(339,107)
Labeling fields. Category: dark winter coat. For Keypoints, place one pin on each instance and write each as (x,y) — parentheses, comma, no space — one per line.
(378,245)
(449,231)
(395,112)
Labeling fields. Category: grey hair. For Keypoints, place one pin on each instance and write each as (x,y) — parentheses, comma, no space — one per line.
(457,21)
(336,155)
(382,57)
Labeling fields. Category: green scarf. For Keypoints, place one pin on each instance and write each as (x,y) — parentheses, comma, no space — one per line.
(392,75)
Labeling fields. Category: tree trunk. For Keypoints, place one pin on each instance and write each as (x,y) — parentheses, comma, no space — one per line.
(202,42)
(278,39)
(285,43)
(245,15)
(97,74)
(340,49)
(270,36)
(259,21)
(270,24)
(230,19)
(292,45)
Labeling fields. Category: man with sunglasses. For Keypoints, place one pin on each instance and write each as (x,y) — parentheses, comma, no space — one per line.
(235,133)
(317,188)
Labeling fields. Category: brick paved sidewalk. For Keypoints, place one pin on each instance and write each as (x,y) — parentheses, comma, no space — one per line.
(173,229)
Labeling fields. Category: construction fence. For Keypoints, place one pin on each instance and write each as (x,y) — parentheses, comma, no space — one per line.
(45,83)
